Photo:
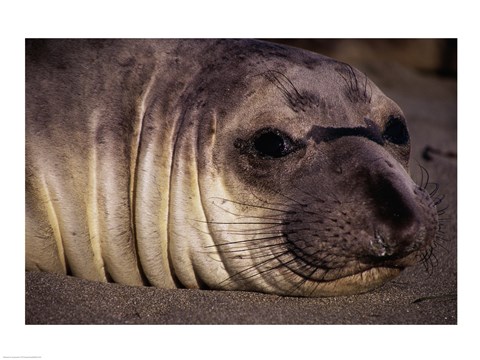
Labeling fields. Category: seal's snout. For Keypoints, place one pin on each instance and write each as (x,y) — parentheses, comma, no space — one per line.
(400,227)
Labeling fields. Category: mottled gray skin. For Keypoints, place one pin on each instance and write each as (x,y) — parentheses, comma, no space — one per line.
(238,165)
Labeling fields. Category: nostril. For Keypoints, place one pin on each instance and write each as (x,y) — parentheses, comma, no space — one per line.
(393,243)
(379,246)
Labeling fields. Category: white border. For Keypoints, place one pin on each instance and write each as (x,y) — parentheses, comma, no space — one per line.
(241,19)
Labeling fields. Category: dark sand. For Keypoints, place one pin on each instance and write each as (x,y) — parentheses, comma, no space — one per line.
(416,297)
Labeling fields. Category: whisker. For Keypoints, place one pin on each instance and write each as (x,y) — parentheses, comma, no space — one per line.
(246,241)
(434,191)
(256,206)
(252,233)
(274,204)
(292,200)
(293,98)
(423,170)
(244,216)
(442,212)
(273,228)
(331,194)
(242,223)
(309,194)
(255,267)
(253,255)
(438,199)
(303,281)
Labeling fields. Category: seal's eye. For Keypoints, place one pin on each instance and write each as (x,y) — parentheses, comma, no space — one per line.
(272,143)
(396,131)
(269,143)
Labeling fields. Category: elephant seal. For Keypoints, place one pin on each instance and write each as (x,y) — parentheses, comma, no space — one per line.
(217,164)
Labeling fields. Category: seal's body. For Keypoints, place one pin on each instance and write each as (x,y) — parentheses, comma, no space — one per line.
(229,164)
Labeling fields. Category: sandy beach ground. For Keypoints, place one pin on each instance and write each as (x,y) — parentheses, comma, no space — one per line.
(426,89)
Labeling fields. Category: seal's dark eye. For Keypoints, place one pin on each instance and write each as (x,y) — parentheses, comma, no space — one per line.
(269,143)
(273,143)
(396,131)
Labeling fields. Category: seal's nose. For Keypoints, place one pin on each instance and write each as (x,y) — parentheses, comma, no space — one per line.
(399,227)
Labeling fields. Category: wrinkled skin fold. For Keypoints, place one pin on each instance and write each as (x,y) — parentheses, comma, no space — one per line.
(217,164)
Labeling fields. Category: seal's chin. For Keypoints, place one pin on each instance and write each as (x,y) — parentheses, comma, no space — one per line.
(357,283)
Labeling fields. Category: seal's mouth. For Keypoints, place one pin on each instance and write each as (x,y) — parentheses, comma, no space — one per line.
(342,276)
(356,283)
(335,265)
(358,271)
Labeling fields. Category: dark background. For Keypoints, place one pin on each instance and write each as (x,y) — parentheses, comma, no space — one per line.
(427,56)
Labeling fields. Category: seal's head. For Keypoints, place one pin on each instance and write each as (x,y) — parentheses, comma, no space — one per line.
(307,181)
